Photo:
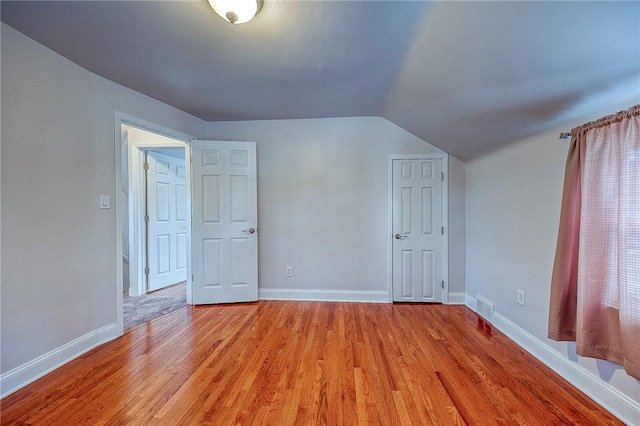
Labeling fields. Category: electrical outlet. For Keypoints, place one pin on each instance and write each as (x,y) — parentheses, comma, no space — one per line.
(288,271)
(520,297)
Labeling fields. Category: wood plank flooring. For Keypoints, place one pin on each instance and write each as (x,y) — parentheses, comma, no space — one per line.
(306,363)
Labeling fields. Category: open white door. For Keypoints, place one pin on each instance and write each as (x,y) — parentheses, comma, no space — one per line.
(224,234)
(167,219)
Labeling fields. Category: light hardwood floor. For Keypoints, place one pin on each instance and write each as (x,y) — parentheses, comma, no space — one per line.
(305,363)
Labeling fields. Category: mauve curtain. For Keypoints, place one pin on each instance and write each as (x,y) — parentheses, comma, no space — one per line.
(595,286)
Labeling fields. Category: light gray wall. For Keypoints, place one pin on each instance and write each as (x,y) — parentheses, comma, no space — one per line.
(323,198)
(457,225)
(58,154)
(513,208)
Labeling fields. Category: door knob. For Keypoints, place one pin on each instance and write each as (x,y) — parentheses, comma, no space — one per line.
(400,237)
(249,231)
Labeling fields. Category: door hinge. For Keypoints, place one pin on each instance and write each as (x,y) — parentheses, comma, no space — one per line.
(146,166)
(146,218)
(442,230)
(442,174)
(146,270)
(192,278)
(443,285)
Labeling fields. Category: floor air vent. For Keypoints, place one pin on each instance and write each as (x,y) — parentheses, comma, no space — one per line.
(486,308)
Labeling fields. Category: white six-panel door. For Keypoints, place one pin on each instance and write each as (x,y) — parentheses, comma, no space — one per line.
(417,230)
(224,222)
(167,214)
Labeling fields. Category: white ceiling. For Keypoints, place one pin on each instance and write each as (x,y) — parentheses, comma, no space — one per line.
(467,77)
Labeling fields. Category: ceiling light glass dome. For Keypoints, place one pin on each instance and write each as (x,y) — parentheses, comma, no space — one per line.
(236,11)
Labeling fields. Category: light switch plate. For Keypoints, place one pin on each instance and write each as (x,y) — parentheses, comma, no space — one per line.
(105,202)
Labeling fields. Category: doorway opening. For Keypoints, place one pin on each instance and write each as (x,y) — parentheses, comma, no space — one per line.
(221,239)
(154,212)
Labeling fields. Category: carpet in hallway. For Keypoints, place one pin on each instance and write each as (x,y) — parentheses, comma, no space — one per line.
(140,309)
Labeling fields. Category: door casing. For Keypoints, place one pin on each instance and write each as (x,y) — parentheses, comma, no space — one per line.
(121,120)
(445,222)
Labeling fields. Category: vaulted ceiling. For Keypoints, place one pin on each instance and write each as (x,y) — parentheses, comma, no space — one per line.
(467,77)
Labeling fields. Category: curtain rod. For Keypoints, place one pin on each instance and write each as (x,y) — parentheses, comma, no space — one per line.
(606,120)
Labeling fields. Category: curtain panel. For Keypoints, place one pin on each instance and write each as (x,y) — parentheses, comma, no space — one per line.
(595,284)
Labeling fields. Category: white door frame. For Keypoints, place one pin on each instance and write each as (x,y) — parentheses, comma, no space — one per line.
(128,120)
(445,219)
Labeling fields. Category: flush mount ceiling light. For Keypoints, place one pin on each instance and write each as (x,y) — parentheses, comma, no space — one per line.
(236,11)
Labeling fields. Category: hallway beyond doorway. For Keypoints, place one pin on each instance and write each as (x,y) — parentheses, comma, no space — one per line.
(140,309)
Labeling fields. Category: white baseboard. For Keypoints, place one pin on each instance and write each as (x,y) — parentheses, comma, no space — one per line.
(324,295)
(600,391)
(21,376)
(366,296)
(471,303)
(457,299)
